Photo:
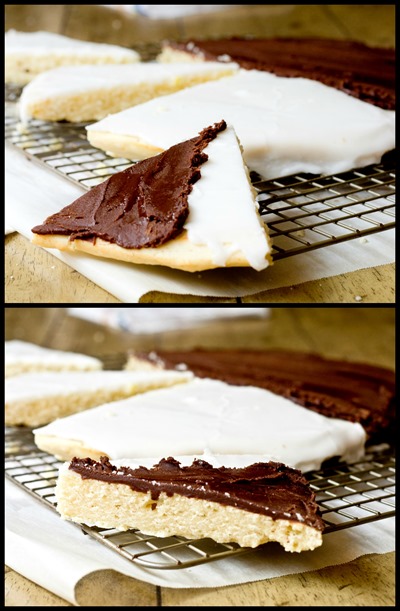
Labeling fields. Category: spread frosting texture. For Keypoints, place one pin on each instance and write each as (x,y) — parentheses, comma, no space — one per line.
(268,488)
(143,206)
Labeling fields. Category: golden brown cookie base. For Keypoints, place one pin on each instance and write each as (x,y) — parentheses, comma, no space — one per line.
(177,254)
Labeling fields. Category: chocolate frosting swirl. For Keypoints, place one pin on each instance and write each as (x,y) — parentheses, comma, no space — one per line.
(271,489)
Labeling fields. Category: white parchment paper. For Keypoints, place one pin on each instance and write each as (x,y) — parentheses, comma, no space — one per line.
(33,193)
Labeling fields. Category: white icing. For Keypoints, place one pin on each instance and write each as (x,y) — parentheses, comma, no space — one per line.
(72,80)
(222,206)
(211,417)
(43,43)
(41,385)
(285,125)
(25,353)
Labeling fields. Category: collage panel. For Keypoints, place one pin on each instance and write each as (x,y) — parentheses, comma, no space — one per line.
(199,440)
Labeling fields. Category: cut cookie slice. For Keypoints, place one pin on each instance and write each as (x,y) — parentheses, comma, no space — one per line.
(353,391)
(250,506)
(367,73)
(27,54)
(204,416)
(24,357)
(191,208)
(34,399)
(87,93)
(285,125)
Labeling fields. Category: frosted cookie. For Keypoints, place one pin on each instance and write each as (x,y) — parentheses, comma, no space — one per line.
(23,357)
(353,391)
(34,399)
(367,73)
(285,125)
(249,506)
(87,93)
(27,54)
(204,416)
(191,208)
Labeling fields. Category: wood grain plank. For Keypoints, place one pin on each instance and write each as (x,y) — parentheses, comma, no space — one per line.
(21,592)
(371,285)
(33,275)
(366,581)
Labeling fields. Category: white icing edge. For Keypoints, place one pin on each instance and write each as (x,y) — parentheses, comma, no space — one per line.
(211,417)
(42,385)
(222,206)
(20,352)
(41,43)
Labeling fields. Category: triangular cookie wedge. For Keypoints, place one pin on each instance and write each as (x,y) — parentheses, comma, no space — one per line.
(285,125)
(204,416)
(35,399)
(252,505)
(88,93)
(191,208)
(27,54)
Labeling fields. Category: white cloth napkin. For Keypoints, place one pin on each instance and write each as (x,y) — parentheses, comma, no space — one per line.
(33,193)
(66,555)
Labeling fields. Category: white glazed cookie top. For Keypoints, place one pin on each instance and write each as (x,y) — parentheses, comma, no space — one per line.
(42,385)
(74,80)
(42,43)
(209,416)
(222,206)
(25,353)
(80,79)
(285,125)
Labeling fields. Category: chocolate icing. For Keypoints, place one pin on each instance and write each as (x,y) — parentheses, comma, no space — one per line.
(271,489)
(364,72)
(339,389)
(143,206)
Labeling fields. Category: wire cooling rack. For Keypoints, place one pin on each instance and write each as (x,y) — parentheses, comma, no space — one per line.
(347,494)
(303,211)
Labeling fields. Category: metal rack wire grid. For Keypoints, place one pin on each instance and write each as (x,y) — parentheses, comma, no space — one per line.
(303,212)
(347,494)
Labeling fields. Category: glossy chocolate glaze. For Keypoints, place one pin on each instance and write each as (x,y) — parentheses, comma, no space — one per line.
(364,72)
(339,389)
(143,206)
(271,489)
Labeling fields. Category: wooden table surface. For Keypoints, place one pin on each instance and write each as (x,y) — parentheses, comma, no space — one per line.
(354,333)
(35,276)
